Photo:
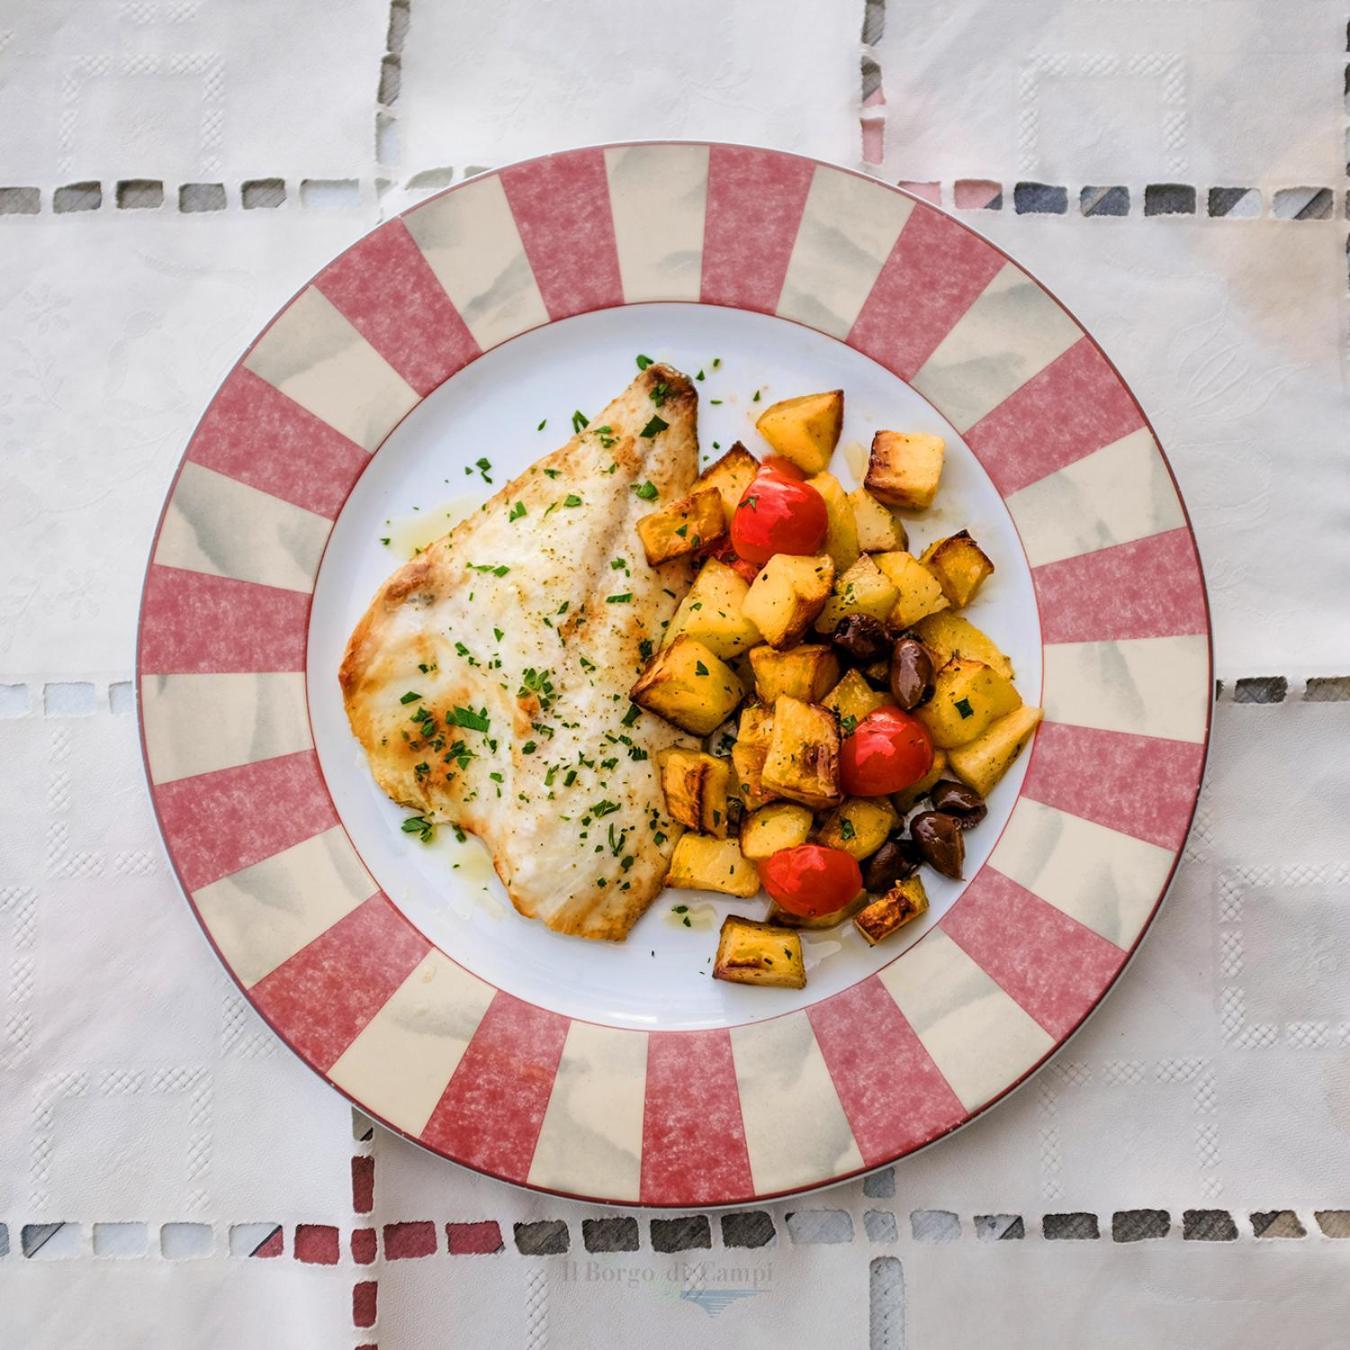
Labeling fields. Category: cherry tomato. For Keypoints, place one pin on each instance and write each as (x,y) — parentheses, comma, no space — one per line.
(783,466)
(778,515)
(811,879)
(888,751)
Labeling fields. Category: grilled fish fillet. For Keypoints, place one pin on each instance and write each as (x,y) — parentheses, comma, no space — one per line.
(488,680)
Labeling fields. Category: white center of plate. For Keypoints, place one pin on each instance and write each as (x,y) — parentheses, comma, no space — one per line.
(661,977)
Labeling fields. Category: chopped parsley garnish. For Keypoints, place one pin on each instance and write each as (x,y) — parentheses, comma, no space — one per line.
(410,697)
(717,361)
(607,439)
(647,491)
(964,708)
(498,634)
(700,376)
(474,721)
(497,569)
(756,397)
(517,511)
(385,540)
(645,649)
(571,499)
(618,565)
(656,425)
(580,421)
(483,465)
(715,401)
(540,684)
(422,827)
(683,530)
(570,778)
(619,599)
(528,748)
(632,715)
(848,725)
(542,425)
(643,361)
(552,473)
(660,392)
(700,668)
(604,808)
(846,830)
(752,502)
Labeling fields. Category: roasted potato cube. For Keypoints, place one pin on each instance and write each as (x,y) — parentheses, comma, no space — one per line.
(905,900)
(878,530)
(948,635)
(919,593)
(749,753)
(730,475)
(695,788)
(787,594)
(903,801)
(982,762)
(686,684)
(860,826)
(832,920)
(807,672)
(701,863)
(804,430)
(967,697)
(682,527)
(905,468)
(711,612)
(960,566)
(841,538)
(853,698)
(863,589)
(749,952)
(773,828)
(803,760)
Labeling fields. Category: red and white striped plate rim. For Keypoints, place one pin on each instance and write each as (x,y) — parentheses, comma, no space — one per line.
(699,1117)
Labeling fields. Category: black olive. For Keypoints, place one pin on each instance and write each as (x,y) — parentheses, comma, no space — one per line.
(958,800)
(861,638)
(895,860)
(939,840)
(911,673)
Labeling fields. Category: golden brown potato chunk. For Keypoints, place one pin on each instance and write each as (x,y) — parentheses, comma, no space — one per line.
(701,863)
(982,762)
(695,787)
(863,589)
(905,900)
(749,753)
(918,591)
(967,697)
(905,468)
(841,538)
(730,475)
(803,760)
(860,826)
(853,698)
(807,672)
(878,530)
(686,684)
(806,429)
(759,953)
(711,612)
(960,566)
(786,596)
(773,828)
(948,635)
(682,527)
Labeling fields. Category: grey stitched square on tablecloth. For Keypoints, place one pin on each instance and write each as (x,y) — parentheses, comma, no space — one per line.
(1076,1227)
(1277,1223)
(1208,1225)
(880,1225)
(77,197)
(261,194)
(1105,201)
(1334,1223)
(684,1234)
(197,197)
(747,1228)
(880,1185)
(545,1237)
(1139,1225)
(20,201)
(139,194)
(820,1226)
(50,1240)
(934,1225)
(1261,689)
(1234,203)
(999,1227)
(4,1239)
(618,1234)
(1044,199)
(1169,199)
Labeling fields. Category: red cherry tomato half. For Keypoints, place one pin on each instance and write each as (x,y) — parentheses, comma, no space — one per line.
(778,515)
(811,879)
(784,467)
(887,752)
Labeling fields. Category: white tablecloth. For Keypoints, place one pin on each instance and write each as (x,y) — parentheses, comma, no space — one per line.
(170,170)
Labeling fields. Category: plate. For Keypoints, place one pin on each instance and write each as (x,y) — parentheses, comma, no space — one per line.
(445,352)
